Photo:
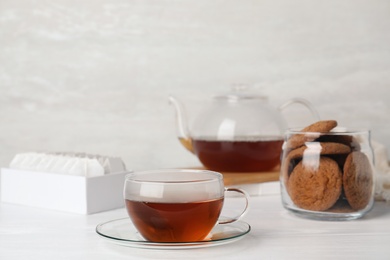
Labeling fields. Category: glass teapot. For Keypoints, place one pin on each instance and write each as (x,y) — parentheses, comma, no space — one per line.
(237,132)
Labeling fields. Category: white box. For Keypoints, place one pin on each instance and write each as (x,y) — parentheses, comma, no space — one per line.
(76,194)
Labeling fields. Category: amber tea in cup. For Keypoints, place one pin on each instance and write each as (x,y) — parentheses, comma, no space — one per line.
(176,205)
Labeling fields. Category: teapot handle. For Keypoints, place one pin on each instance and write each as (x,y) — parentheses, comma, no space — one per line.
(303,102)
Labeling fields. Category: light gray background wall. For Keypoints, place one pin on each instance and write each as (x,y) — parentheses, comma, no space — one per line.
(93,76)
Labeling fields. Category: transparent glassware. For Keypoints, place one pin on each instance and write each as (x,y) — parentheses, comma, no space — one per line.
(327,176)
(236,132)
(177,205)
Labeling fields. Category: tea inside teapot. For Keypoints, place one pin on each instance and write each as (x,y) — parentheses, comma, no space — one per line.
(244,154)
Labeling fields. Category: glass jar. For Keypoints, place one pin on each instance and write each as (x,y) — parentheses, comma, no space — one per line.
(327,176)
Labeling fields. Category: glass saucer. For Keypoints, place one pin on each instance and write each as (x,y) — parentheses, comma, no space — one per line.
(123,232)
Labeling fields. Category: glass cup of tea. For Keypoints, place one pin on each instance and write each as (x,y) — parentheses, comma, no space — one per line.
(327,176)
(177,205)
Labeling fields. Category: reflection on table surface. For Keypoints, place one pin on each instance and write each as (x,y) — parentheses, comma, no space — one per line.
(275,234)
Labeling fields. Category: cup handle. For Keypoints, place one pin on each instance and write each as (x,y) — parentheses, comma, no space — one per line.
(246,196)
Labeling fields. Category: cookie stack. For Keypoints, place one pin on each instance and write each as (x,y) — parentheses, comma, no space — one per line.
(326,171)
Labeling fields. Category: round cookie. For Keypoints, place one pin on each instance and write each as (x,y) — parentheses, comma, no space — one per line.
(315,187)
(318,148)
(314,150)
(343,139)
(358,180)
(312,133)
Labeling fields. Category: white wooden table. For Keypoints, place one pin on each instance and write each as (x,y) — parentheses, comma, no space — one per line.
(32,233)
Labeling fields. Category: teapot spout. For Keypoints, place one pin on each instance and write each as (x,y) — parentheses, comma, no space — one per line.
(181,124)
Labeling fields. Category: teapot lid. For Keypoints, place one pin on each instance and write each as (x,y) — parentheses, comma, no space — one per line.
(239,94)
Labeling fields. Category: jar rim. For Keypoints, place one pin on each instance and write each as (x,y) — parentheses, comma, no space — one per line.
(335,131)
